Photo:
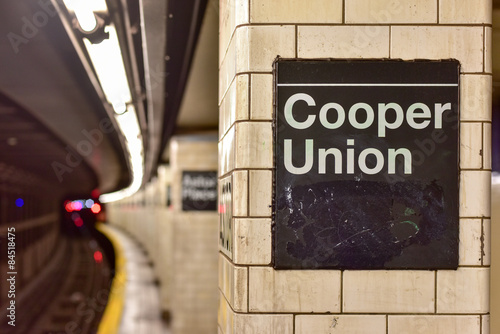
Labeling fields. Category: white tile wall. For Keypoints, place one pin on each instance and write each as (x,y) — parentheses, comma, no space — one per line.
(390,11)
(240,193)
(463,11)
(253,33)
(395,291)
(259,45)
(234,105)
(471,145)
(233,282)
(296,11)
(470,242)
(340,324)
(293,290)
(487,48)
(485,325)
(343,42)
(260,193)
(254,145)
(262,323)
(261,105)
(432,324)
(486,238)
(252,241)
(232,14)
(460,291)
(440,42)
(475,95)
(475,193)
(487,145)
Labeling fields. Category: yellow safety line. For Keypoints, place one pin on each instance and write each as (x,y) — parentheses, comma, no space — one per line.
(111,318)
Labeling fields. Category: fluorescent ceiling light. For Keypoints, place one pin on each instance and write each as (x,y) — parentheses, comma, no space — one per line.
(84,12)
(108,63)
(129,126)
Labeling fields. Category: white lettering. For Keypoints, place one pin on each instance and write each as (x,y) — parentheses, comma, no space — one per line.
(382,121)
(289,111)
(308,157)
(411,115)
(369,115)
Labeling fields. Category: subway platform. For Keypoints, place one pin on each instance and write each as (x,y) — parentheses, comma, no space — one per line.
(134,302)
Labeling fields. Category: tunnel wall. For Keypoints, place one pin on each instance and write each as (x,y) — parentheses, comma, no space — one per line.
(35,240)
(254,297)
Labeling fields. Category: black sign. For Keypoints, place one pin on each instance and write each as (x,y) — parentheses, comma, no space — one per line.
(366,164)
(199,191)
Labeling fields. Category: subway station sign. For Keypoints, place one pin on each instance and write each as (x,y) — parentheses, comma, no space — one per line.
(367,163)
(199,191)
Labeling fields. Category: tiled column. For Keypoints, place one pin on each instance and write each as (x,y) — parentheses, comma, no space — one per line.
(255,298)
(193,288)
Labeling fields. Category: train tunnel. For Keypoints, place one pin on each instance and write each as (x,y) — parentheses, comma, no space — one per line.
(249,166)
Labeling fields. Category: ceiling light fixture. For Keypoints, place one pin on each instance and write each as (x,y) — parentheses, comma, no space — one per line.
(103,47)
(84,11)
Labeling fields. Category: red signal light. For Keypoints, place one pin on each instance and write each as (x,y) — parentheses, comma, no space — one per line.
(79,222)
(68,206)
(96,208)
(98,256)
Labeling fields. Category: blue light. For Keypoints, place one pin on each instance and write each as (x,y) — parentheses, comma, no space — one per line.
(19,202)
(89,203)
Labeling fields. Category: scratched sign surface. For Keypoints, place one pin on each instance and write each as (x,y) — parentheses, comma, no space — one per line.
(366,164)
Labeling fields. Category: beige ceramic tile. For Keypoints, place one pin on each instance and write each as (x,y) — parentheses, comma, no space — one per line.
(471,141)
(341,324)
(485,324)
(440,42)
(227,70)
(232,13)
(343,41)
(487,145)
(263,323)
(234,106)
(233,284)
(464,11)
(252,241)
(475,187)
(475,97)
(254,145)
(296,11)
(258,46)
(261,182)
(261,100)
(227,152)
(390,11)
(470,242)
(431,324)
(293,290)
(487,50)
(225,315)
(486,242)
(463,291)
(240,193)
(394,291)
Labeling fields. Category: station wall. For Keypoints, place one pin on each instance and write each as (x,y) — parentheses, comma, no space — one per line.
(255,298)
(180,238)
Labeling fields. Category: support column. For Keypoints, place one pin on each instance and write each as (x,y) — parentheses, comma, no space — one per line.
(254,297)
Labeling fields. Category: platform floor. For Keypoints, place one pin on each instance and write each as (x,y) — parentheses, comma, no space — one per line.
(141,312)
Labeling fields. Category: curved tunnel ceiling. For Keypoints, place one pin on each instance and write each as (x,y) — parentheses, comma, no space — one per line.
(44,81)
(42,74)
